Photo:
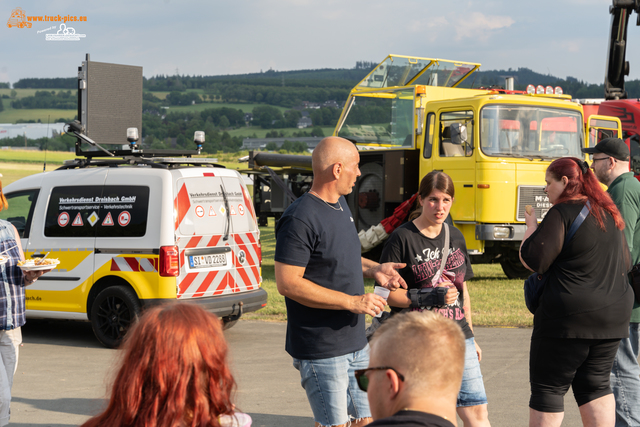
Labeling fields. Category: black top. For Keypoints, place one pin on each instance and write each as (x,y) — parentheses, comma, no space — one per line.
(323,239)
(588,295)
(423,256)
(409,418)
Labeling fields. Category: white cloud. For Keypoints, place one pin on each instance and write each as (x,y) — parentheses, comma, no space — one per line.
(479,26)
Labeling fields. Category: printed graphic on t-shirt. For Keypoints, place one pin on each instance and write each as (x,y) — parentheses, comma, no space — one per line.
(428,264)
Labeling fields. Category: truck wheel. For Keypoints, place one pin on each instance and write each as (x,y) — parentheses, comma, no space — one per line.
(112,312)
(513,268)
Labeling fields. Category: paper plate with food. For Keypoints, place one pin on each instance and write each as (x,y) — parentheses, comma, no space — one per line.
(38,264)
(3,259)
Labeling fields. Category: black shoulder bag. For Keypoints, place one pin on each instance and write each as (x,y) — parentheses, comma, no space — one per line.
(535,283)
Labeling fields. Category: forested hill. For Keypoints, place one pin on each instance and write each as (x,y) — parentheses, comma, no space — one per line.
(324,84)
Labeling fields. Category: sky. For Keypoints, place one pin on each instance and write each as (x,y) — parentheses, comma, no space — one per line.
(190,37)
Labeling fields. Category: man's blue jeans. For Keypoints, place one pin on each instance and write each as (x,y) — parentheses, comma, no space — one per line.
(625,379)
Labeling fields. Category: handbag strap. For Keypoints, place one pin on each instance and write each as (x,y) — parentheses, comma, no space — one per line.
(445,254)
(577,222)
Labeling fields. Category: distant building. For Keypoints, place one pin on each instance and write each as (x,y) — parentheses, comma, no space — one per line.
(310,105)
(248,118)
(261,143)
(304,122)
(331,104)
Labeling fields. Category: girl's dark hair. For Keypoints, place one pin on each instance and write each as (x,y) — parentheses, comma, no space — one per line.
(582,186)
(433,180)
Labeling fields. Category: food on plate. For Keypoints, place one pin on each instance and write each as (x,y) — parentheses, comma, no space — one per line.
(3,259)
(529,209)
(34,263)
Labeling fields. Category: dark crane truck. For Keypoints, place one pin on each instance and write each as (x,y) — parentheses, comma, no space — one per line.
(616,102)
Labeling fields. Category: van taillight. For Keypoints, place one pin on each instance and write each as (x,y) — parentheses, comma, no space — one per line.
(169,265)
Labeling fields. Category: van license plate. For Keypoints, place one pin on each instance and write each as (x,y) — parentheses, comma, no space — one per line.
(206,261)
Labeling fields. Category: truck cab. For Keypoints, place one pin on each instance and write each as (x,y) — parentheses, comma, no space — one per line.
(412,115)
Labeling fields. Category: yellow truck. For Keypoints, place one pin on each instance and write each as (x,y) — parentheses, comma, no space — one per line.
(411,115)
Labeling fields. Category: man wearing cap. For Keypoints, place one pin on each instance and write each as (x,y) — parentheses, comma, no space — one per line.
(611,166)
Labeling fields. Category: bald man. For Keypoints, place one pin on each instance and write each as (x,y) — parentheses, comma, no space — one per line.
(415,371)
(320,273)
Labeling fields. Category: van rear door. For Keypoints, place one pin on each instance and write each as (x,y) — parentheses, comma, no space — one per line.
(203,234)
(246,236)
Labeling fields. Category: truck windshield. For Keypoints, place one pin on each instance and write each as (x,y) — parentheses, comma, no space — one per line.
(521,131)
(381,119)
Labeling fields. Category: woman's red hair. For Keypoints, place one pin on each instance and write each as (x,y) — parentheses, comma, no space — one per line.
(173,373)
(582,187)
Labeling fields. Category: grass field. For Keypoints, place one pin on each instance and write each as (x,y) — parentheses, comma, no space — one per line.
(495,300)
(248,132)
(246,108)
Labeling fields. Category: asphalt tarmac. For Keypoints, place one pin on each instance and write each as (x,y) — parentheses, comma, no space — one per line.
(63,375)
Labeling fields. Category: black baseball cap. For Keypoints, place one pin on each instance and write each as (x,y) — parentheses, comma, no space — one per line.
(614,147)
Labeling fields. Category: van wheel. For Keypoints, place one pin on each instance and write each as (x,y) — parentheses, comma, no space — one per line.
(113,311)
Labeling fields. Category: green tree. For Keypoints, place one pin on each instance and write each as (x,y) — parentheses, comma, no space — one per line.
(224,122)
(13,94)
(266,116)
(287,146)
(299,147)
(271,146)
(317,131)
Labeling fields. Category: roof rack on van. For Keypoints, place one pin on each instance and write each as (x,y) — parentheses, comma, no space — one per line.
(78,130)
(155,162)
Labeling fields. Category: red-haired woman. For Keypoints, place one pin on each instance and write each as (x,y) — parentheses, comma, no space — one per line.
(173,373)
(585,306)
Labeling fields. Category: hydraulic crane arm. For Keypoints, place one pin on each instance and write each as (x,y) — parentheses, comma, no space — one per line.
(617,66)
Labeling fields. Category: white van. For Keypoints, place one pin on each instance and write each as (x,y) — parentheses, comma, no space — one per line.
(133,233)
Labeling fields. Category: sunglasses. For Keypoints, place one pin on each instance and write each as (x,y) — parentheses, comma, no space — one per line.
(363,381)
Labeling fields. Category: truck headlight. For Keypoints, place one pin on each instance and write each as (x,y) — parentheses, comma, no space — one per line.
(501,232)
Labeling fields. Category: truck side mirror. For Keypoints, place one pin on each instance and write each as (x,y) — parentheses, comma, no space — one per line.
(458,133)
(459,137)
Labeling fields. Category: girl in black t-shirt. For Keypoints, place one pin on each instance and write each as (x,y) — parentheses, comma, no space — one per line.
(419,244)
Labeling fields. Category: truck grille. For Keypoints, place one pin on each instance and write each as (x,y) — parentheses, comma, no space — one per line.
(535,196)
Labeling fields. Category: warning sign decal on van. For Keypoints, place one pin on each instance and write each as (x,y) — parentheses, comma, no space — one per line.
(241,209)
(212,212)
(108,220)
(199,211)
(78,221)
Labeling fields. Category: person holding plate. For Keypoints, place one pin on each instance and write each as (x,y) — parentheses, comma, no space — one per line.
(12,306)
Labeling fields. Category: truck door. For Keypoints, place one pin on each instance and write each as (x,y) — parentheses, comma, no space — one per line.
(602,127)
(453,153)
